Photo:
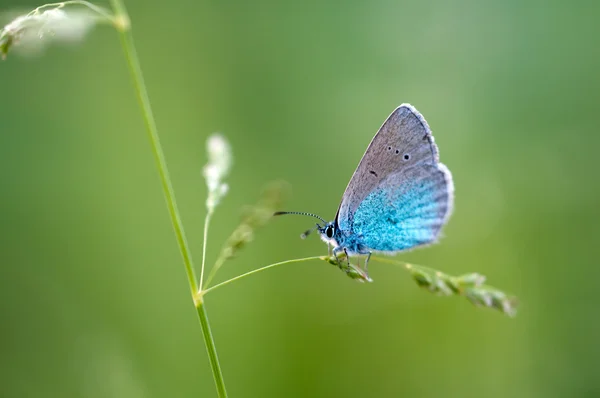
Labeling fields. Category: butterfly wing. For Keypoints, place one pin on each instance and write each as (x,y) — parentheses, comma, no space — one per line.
(400,195)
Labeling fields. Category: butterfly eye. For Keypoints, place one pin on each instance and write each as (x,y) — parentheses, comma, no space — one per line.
(329,231)
(406,156)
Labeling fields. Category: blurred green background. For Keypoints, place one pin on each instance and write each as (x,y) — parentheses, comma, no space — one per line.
(94,300)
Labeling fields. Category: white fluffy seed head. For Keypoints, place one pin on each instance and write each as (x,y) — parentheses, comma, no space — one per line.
(217,168)
(30,33)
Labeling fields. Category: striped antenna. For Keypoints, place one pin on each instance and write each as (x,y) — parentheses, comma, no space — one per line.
(300,213)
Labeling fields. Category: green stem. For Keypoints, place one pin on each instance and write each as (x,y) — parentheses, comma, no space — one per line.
(211,350)
(404,264)
(122,24)
(266,267)
(389,261)
(159,157)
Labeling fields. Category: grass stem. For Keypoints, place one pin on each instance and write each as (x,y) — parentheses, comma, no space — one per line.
(211,349)
(123,26)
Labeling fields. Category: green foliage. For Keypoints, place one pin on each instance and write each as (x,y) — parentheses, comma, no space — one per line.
(468,285)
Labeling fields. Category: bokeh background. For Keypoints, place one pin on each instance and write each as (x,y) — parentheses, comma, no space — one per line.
(94,300)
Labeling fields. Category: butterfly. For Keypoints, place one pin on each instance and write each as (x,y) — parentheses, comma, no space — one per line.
(399,197)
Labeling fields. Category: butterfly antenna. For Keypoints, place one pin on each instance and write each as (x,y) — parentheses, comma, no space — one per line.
(300,213)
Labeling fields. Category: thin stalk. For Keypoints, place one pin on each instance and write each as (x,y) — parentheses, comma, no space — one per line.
(266,267)
(63,4)
(213,271)
(206,223)
(390,261)
(122,24)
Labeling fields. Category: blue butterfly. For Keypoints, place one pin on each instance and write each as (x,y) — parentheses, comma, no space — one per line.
(398,198)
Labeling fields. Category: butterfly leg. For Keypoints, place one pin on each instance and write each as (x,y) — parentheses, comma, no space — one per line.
(335,252)
(347,268)
(347,256)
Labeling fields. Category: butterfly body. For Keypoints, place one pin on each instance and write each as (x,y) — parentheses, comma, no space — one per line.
(399,197)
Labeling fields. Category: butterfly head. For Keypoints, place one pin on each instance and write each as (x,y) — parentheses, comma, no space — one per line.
(328,233)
